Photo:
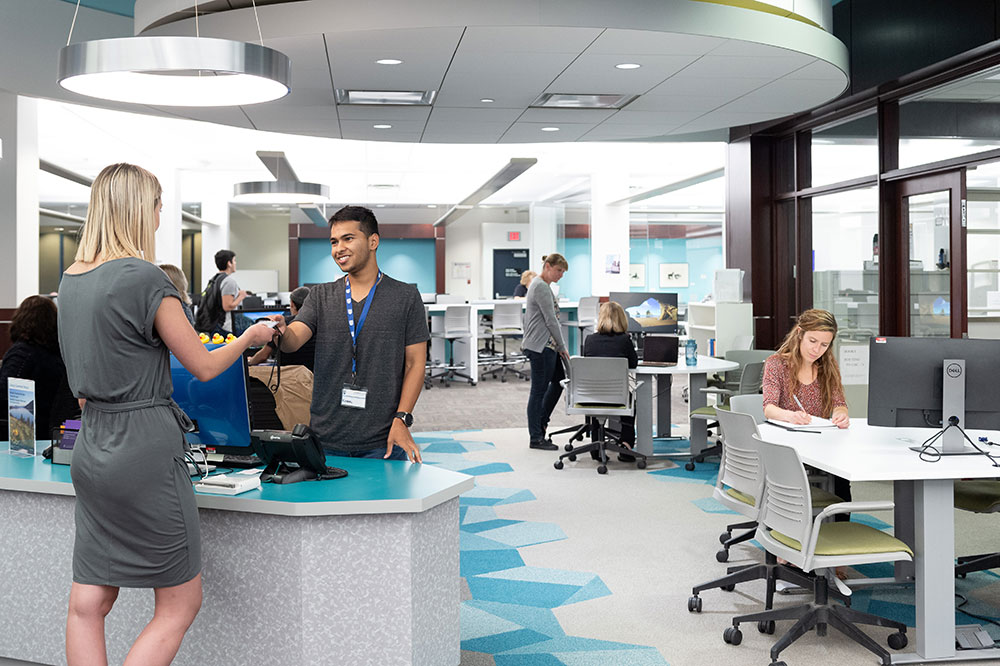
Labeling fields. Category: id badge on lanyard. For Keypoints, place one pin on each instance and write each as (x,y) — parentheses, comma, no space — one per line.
(353,395)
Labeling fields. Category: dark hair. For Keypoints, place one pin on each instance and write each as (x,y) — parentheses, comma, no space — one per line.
(222,258)
(364,216)
(35,321)
(298,296)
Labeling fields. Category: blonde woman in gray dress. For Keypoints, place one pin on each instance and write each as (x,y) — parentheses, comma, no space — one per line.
(136,518)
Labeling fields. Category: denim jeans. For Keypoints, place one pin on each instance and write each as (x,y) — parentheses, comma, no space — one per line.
(398,453)
(546,373)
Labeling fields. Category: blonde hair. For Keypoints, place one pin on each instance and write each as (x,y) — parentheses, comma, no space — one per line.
(557,260)
(527,277)
(180,280)
(611,318)
(827,370)
(121,218)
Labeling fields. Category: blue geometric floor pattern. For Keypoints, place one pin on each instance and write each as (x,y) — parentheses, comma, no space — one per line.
(510,614)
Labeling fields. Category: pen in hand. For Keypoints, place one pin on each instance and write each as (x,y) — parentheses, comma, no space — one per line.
(799,403)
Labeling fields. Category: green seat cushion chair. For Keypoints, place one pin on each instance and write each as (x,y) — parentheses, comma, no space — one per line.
(981,496)
(708,411)
(848,539)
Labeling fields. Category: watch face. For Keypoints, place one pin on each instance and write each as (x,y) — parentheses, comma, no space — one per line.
(406,418)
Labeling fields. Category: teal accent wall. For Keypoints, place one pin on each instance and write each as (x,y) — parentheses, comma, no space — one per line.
(703,256)
(404,259)
(575,283)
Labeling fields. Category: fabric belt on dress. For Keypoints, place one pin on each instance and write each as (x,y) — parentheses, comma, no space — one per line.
(117,407)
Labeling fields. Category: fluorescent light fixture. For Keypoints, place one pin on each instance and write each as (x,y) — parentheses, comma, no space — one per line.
(487,100)
(386,97)
(581,101)
(514,168)
(280,192)
(432,205)
(550,129)
(628,65)
(175,71)
(382,126)
(380,205)
(389,61)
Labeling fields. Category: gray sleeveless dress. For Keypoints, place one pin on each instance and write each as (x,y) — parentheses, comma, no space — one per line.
(136,517)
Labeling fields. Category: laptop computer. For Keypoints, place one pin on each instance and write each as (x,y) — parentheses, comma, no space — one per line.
(659,350)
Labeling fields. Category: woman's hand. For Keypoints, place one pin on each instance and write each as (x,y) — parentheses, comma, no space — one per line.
(799,418)
(280,325)
(259,334)
(840,419)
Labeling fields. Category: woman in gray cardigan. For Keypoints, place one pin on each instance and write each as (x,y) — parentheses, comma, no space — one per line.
(543,344)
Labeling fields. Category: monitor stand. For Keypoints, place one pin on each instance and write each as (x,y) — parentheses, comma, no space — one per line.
(953,442)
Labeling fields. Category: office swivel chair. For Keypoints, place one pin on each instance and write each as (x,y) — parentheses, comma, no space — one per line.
(586,317)
(980,496)
(750,378)
(739,487)
(508,323)
(600,387)
(456,327)
(787,530)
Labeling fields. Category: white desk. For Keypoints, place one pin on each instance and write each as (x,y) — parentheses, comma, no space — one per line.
(869,453)
(697,380)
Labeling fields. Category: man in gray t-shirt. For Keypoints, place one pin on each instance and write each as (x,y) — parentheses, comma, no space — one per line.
(363,395)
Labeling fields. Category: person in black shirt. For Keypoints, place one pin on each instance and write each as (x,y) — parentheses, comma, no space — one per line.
(612,339)
(521,290)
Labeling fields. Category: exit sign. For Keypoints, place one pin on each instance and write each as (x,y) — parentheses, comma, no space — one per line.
(513,236)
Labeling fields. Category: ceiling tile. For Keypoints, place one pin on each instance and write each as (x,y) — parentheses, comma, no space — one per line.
(744,48)
(649,42)
(425,53)
(587,116)
(223,115)
(677,103)
(532,133)
(820,69)
(597,74)
(378,113)
(280,119)
(719,67)
(719,119)
(530,39)
(513,81)
(486,114)
(350,127)
(684,84)
(608,132)
(464,132)
(786,96)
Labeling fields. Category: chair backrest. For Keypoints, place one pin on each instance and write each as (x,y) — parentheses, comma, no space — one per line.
(456,320)
(741,464)
(751,403)
(751,378)
(450,298)
(742,357)
(508,317)
(787,505)
(742,342)
(587,309)
(598,380)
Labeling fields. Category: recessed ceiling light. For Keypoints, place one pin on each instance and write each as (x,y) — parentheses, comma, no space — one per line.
(380,205)
(382,126)
(386,97)
(550,129)
(628,65)
(487,100)
(58,229)
(389,61)
(431,205)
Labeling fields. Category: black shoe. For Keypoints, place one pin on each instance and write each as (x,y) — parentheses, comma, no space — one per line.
(543,445)
(595,455)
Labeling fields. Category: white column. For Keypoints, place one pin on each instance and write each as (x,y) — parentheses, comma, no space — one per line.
(609,231)
(18,198)
(544,221)
(214,235)
(168,236)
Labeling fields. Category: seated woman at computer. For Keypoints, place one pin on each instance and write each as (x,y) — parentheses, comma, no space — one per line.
(543,344)
(136,518)
(802,380)
(612,339)
(521,290)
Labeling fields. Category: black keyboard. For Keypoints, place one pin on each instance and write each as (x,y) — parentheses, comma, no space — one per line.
(240,461)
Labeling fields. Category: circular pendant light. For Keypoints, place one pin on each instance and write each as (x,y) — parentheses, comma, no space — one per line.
(281,192)
(175,71)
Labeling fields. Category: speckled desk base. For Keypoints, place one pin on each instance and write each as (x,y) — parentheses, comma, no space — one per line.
(363,589)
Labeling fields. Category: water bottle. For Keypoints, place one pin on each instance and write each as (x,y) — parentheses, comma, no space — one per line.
(691,352)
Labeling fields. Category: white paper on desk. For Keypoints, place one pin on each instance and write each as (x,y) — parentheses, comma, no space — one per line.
(816,422)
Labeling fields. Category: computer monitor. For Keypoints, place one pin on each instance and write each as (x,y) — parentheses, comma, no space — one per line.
(906,379)
(648,312)
(217,407)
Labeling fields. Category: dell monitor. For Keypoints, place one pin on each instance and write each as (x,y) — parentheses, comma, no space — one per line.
(217,407)
(907,379)
(648,312)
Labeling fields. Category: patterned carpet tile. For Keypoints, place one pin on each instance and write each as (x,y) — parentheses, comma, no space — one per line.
(712,505)
(539,587)
(492,496)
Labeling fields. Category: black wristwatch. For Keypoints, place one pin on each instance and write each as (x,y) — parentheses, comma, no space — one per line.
(405,417)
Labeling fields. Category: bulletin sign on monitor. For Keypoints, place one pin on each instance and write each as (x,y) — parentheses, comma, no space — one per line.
(648,312)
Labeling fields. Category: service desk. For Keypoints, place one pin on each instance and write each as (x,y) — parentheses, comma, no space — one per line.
(359,570)
(925,514)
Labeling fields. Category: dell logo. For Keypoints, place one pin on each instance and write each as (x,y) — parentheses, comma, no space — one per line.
(954,370)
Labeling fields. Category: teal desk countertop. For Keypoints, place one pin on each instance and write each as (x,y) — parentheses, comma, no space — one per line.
(370,487)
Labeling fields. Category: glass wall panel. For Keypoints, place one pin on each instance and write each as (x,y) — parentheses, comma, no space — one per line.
(983,250)
(845,151)
(930,272)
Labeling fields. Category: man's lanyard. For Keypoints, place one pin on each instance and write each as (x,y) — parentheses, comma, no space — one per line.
(356,330)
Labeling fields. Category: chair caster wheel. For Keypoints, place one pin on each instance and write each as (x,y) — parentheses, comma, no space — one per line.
(568,447)
(722,555)
(689,466)
(694,604)
(728,588)
(961,575)
(571,458)
(778,663)
(732,635)
(472,382)
(897,641)
(602,469)
(724,537)
(503,380)
(558,464)
(766,626)
(641,464)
